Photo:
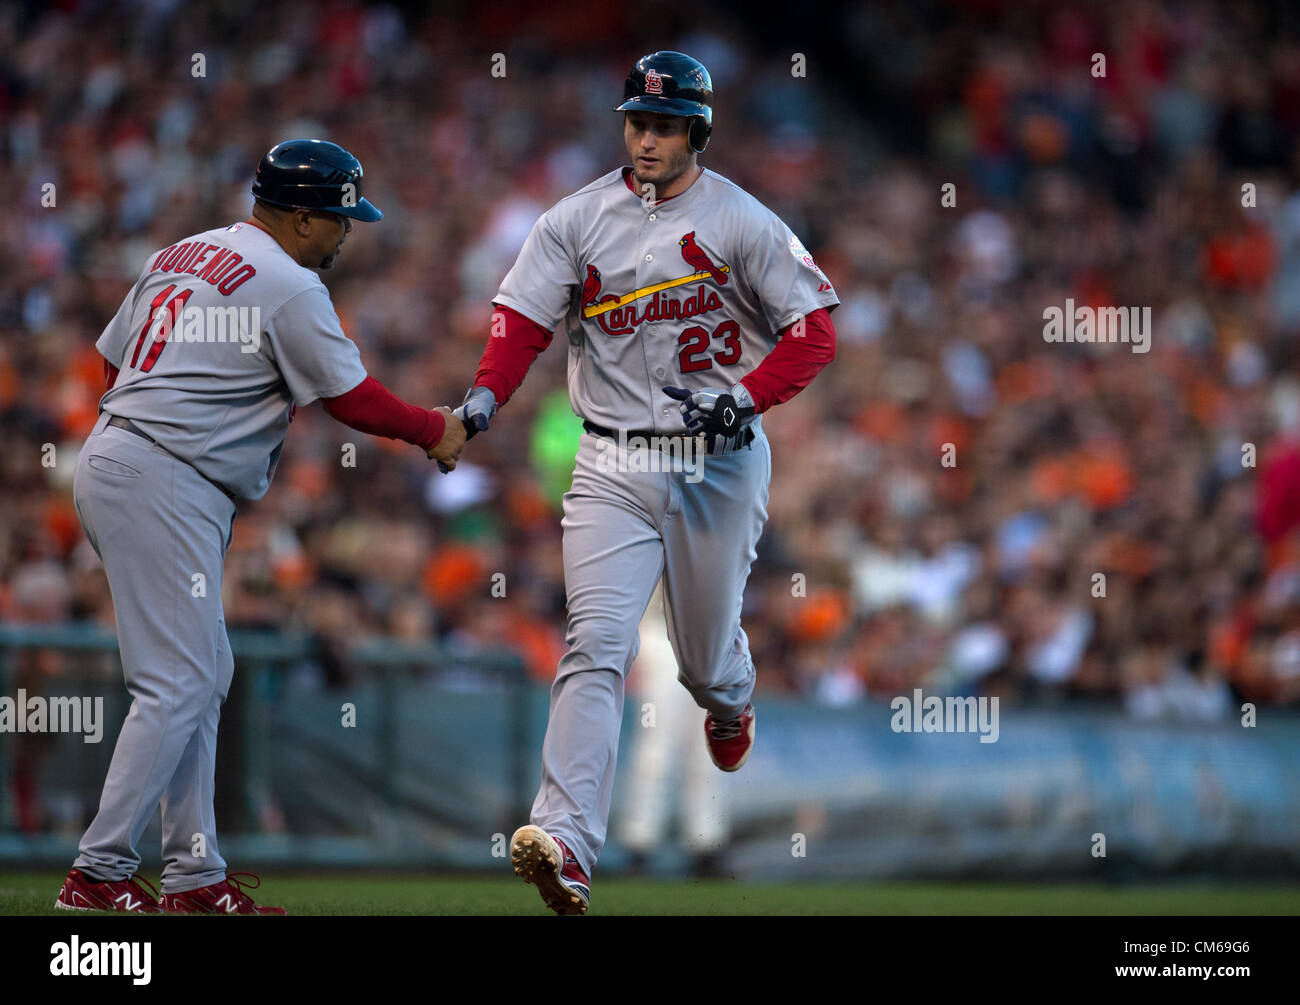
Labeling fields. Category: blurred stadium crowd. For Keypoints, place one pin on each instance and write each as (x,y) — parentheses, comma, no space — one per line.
(1070,460)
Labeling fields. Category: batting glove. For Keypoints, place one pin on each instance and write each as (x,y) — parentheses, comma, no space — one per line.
(715,411)
(476,410)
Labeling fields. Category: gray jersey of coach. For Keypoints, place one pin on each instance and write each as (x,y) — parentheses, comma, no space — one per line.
(616,375)
(224,406)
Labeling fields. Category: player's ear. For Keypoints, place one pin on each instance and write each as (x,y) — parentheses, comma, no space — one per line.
(302,222)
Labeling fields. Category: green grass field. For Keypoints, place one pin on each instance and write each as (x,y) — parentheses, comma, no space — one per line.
(424,894)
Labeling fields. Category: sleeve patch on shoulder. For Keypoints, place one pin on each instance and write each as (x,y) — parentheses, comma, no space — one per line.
(801,254)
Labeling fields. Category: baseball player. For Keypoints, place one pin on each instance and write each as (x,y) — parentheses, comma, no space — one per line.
(222,337)
(669,768)
(690,310)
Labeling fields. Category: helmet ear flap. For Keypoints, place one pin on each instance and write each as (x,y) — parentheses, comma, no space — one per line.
(699,133)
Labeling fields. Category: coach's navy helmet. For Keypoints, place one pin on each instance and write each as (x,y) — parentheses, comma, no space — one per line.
(672,83)
(313,174)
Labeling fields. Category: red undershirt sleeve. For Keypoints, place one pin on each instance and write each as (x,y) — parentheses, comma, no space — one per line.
(515,342)
(372,408)
(110,375)
(794,361)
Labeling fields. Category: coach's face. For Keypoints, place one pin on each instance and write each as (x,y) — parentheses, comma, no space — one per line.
(321,236)
(659,147)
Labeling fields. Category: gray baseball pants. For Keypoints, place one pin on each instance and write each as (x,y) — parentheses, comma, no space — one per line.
(623,530)
(161,530)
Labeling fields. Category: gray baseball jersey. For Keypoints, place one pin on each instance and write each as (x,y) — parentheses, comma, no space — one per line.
(221,337)
(689,291)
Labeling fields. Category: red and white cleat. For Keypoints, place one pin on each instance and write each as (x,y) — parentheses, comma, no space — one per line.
(81,893)
(730,740)
(547,863)
(226,897)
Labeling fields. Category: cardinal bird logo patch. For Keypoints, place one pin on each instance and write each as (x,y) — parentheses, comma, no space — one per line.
(620,314)
(591,286)
(695,257)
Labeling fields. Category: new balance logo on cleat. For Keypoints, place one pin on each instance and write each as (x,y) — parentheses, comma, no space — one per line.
(226,897)
(81,893)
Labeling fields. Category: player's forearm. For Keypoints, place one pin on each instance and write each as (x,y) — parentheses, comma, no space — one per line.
(515,342)
(372,408)
(794,362)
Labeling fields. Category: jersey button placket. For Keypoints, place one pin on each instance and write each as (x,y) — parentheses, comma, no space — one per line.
(652,328)
(643,279)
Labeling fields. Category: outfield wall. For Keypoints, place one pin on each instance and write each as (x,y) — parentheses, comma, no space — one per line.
(430,758)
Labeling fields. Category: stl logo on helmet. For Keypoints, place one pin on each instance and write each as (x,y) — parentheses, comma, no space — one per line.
(654,82)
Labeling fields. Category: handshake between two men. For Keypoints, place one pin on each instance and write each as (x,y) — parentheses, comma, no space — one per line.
(712,412)
(471,417)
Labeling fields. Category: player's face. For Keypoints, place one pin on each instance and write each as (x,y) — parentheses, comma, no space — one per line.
(658,145)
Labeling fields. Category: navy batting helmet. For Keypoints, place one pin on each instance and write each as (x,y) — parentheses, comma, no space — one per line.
(672,83)
(313,174)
